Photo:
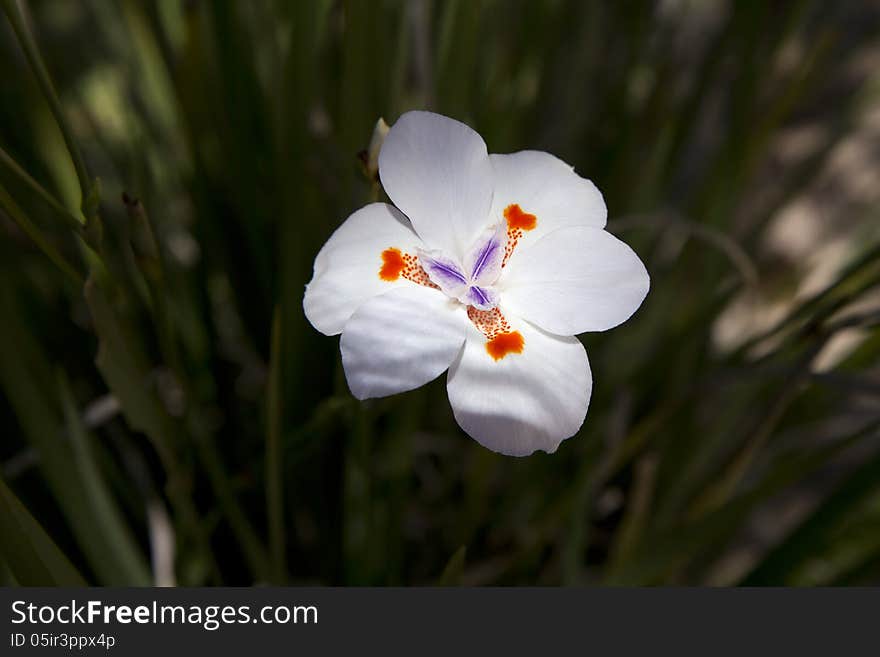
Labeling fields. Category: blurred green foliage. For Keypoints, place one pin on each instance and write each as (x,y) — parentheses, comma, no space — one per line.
(169,416)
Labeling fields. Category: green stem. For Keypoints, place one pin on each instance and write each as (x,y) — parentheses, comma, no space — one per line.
(15,14)
(119,559)
(723,487)
(155,274)
(66,215)
(274,460)
(866,260)
(208,454)
(32,231)
(254,550)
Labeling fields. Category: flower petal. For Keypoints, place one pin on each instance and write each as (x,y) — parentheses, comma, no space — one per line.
(483,260)
(443,272)
(437,171)
(347,267)
(401,340)
(575,280)
(524,401)
(481,298)
(546,188)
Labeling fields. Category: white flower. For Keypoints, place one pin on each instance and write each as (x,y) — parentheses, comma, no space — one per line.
(487,267)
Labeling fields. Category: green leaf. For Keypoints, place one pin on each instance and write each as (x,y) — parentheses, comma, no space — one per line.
(665,552)
(126,372)
(820,526)
(123,562)
(451,575)
(29,553)
(274,457)
(29,227)
(70,470)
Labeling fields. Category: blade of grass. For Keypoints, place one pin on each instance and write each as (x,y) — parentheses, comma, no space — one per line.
(724,484)
(27,550)
(24,222)
(274,457)
(26,379)
(853,271)
(358,499)
(6,576)
(778,566)
(70,219)
(662,554)
(126,373)
(157,282)
(125,557)
(451,575)
(15,13)
(638,511)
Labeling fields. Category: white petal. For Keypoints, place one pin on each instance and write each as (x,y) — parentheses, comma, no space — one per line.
(546,187)
(524,401)
(437,171)
(347,267)
(401,340)
(575,280)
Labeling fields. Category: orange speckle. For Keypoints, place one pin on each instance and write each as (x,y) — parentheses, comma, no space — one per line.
(505,343)
(413,271)
(392,265)
(489,322)
(516,218)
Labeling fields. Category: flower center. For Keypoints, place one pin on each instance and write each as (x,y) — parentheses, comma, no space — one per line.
(470,281)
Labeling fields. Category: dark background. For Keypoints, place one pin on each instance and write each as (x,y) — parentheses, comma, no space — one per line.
(168,415)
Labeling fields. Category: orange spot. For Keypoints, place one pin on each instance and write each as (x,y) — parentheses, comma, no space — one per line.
(505,343)
(392,265)
(516,218)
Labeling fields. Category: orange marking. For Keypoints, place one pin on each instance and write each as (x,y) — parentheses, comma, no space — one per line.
(396,264)
(517,222)
(500,340)
(505,343)
(392,265)
(516,218)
